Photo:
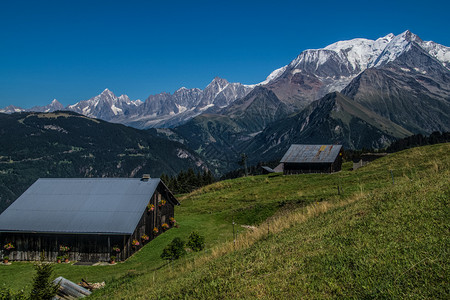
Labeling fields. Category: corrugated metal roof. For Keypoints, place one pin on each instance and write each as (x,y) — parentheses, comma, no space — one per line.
(101,205)
(311,154)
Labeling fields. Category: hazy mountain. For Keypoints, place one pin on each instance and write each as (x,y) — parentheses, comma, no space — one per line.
(53,106)
(11,109)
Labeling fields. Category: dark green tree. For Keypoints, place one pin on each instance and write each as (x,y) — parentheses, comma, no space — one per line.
(165,179)
(174,250)
(199,180)
(43,287)
(208,178)
(196,242)
(191,180)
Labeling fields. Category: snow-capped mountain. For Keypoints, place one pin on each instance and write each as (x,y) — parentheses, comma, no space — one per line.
(11,109)
(311,75)
(105,106)
(168,110)
(53,106)
(316,72)
(161,110)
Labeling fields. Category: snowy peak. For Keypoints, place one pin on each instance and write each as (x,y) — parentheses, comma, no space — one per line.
(317,72)
(124,98)
(220,93)
(395,48)
(354,55)
(360,53)
(106,95)
(275,74)
(217,84)
(351,57)
(105,105)
(11,109)
(53,106)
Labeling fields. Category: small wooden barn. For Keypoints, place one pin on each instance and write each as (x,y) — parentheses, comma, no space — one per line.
(86,219)
(312,159)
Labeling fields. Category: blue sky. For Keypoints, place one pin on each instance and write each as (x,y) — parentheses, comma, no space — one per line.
(73,50)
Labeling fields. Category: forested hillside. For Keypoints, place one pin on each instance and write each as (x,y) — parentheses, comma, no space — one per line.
(66,144)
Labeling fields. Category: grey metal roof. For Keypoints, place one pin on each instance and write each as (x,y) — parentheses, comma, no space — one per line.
(101,205)
(268,169)
(311,154)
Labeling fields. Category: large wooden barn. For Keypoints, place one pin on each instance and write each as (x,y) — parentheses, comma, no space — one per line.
(312,159)
(93,218)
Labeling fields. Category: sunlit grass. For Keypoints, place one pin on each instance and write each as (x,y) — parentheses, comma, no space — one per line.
(374,239)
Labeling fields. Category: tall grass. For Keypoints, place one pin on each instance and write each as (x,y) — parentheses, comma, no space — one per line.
(373,240)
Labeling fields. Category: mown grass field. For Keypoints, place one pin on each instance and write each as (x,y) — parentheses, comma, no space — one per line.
(373,240)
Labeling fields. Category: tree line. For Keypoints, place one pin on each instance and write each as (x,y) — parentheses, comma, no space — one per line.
(187,181)
(419,140)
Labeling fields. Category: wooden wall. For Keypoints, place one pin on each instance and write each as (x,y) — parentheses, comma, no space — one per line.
(301,168)
(29,246)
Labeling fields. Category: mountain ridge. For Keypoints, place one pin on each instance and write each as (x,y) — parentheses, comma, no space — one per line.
(311,75)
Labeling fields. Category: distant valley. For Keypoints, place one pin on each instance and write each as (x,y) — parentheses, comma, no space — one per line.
(66,144)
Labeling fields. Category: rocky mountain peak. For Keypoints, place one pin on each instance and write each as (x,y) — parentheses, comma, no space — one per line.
(107,94)
(217,83)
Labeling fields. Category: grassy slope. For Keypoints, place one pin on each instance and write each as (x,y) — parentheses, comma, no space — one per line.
(374,240)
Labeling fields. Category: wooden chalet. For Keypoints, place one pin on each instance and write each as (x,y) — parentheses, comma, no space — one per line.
(92,217)
(312,159)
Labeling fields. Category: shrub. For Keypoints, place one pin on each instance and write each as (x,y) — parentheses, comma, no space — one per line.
(196,242)
(7,294)
(174,250)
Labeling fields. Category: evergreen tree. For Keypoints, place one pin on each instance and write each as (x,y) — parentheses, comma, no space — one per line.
(191,180)
(181,179)
(43,287)
(209,178)
(165,179)
(199,180)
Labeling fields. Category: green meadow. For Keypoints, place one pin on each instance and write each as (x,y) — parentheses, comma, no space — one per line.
(352,234)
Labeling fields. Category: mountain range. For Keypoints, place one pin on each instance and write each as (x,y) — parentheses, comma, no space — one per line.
(360,93)
(161,110)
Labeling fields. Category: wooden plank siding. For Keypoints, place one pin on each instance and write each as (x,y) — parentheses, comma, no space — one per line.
(88,247)
(317,167)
